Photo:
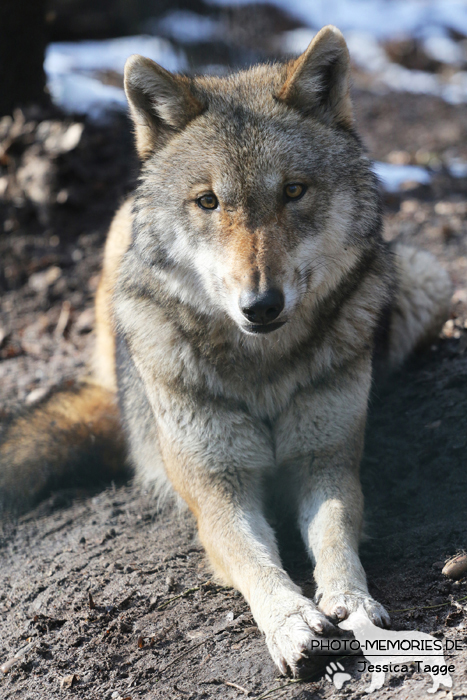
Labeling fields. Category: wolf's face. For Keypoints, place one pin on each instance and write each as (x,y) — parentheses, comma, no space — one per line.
(256,184)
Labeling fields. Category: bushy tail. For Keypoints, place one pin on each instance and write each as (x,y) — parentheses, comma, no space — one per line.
(73,438)
(421,304)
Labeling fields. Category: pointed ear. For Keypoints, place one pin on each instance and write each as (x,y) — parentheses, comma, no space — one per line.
(318,82)
(160,103)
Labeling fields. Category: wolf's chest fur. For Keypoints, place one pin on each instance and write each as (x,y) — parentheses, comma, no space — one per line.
(202,355)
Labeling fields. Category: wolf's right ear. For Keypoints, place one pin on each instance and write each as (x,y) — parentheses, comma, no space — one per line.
(160,103)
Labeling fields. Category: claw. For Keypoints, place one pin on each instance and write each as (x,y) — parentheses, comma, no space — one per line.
(340,612)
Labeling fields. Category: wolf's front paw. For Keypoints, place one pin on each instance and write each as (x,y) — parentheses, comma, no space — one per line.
(293,625)
(338,606)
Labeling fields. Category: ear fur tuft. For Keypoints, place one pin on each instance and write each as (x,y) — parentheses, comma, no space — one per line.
(160,103)
(318,81)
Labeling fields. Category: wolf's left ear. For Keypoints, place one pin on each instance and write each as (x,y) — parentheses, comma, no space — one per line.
(318,82)
(160,103)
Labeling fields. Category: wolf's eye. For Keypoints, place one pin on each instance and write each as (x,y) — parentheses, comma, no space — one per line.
(294,191)
(208,201)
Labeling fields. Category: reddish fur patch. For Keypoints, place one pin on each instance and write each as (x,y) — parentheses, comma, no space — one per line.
(254,256)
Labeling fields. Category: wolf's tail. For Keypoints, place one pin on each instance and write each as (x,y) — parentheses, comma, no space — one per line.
(421,304)
(73,438)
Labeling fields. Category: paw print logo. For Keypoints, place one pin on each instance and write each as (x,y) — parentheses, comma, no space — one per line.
(335,674)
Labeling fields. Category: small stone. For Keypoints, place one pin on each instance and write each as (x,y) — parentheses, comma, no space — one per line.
(433,426)
(39,281)
(448,328)
(67,681)
(72,137)
(5,667)
(37,395)
(110,535)
(85,321)
(456,568)
(62,196)
(125,626)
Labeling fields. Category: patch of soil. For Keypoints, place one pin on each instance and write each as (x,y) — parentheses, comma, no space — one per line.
(112,591)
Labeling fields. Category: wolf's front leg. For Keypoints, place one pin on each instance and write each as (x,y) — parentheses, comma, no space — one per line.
(242,549)
(319,442)
(330,513)
(216,458)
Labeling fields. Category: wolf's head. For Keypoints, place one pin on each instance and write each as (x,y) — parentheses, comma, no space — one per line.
(255,197)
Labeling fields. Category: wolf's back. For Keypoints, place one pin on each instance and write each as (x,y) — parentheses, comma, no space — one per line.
(421,303)
(73,438)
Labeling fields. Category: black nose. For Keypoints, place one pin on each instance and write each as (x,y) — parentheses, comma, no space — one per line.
(262,308)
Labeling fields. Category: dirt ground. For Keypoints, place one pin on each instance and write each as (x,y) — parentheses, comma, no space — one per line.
(109,592)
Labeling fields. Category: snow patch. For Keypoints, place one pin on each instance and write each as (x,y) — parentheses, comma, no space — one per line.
(380,18)
(186,27)
(457,167)
(71,69)
(392,177)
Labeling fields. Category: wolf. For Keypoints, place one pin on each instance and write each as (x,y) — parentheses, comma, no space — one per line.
(245,287)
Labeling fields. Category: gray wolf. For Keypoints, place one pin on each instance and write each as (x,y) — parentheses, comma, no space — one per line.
(243,289)
(408,648)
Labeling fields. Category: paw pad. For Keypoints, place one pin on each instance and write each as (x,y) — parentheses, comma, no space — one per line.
(336,675)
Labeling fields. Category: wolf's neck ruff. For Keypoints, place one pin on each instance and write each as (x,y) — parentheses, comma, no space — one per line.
(181,303)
